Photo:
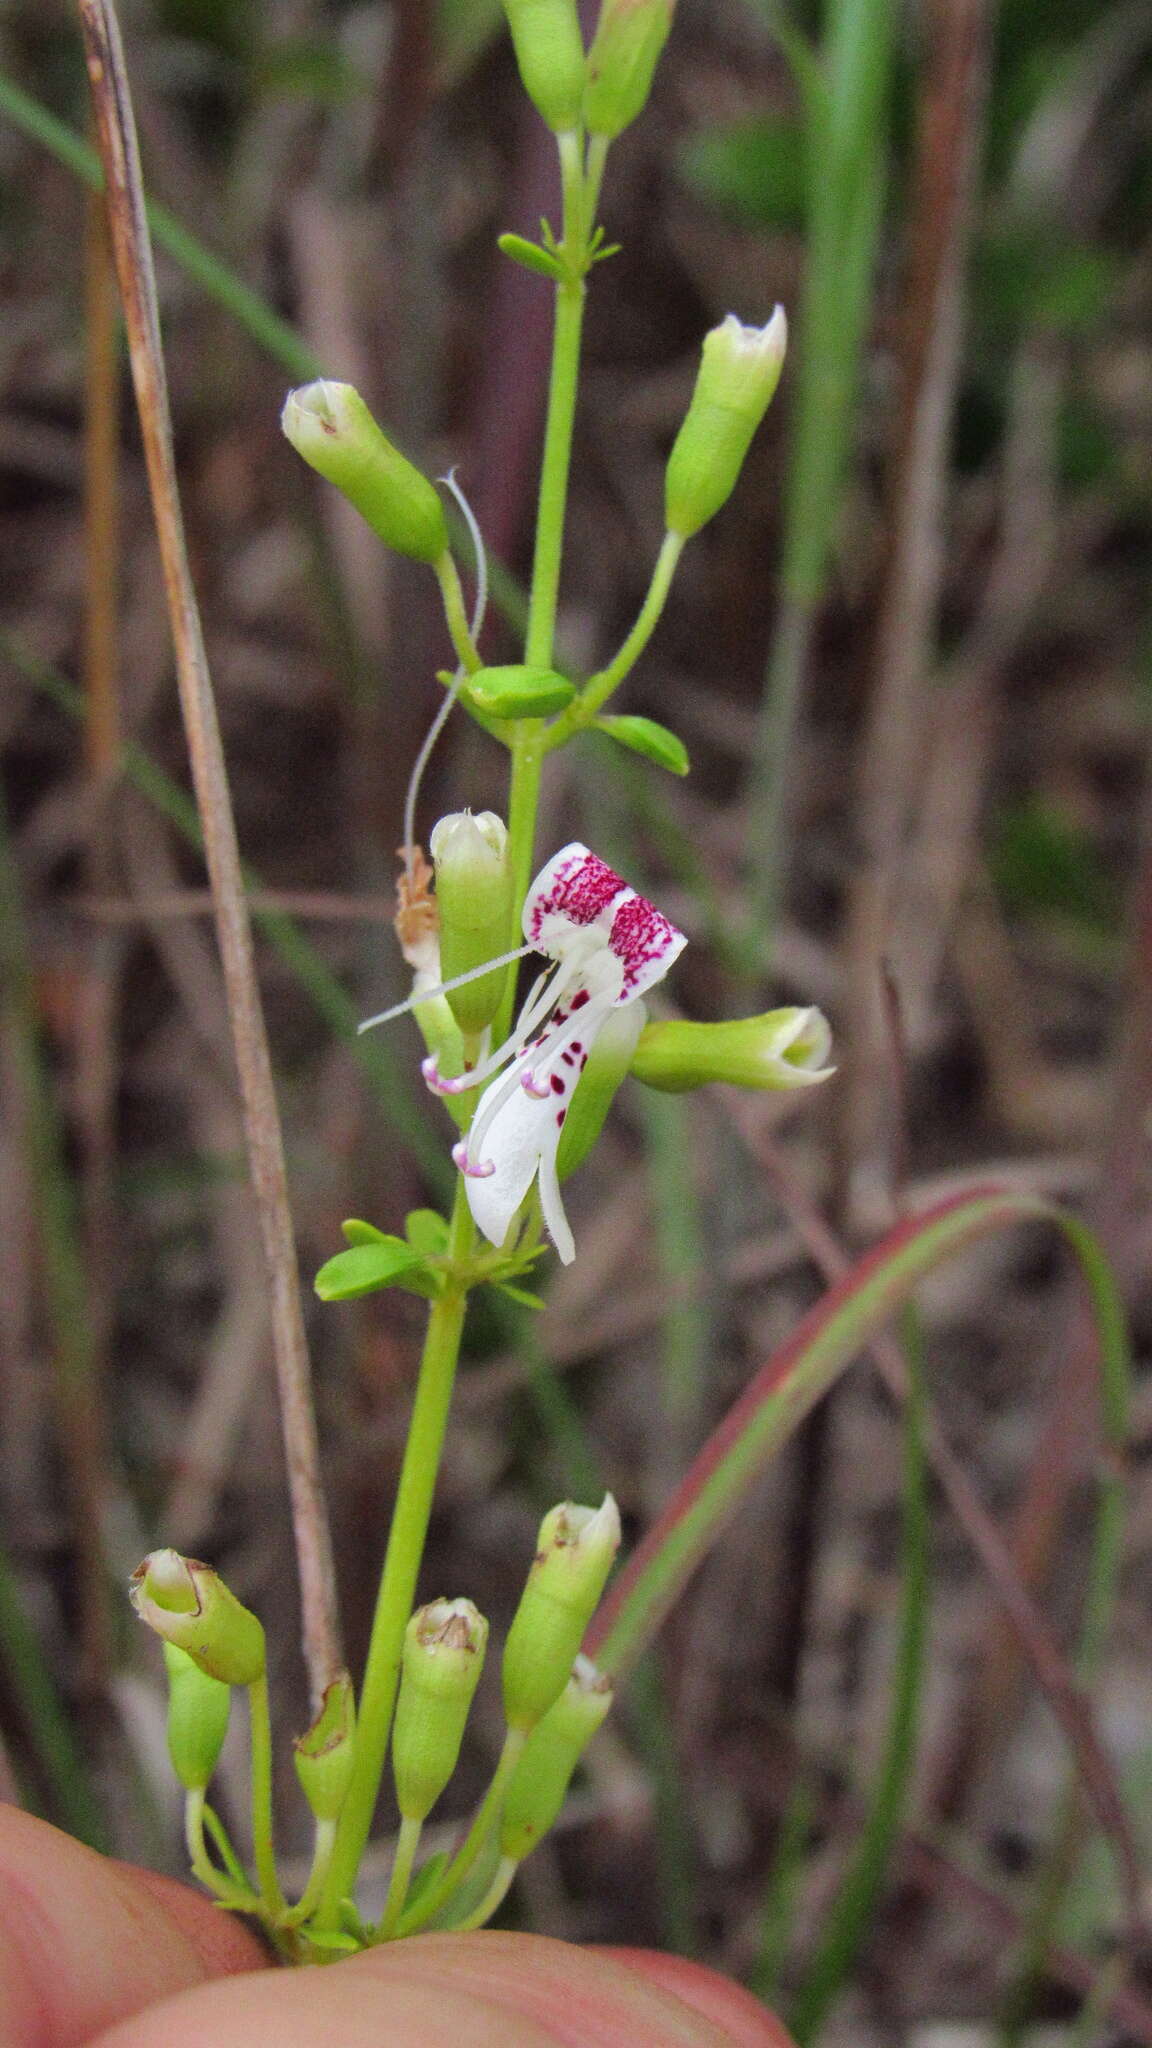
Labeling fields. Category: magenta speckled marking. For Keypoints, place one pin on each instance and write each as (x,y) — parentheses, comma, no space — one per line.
(583,887)
(639,936)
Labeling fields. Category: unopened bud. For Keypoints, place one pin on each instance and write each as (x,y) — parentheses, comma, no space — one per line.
(550,53)
(782,1049)
(325,1753)
(188,1604)
(474,892)
(198,1709)
(332,428)
(574,1553)
(610,1056)
(540,1781)
(739,371)
(630,35)
(443,1657)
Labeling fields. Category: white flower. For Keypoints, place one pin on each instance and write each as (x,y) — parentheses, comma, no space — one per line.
(608,946)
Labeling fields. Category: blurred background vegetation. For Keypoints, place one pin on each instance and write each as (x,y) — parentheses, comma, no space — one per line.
(912,665)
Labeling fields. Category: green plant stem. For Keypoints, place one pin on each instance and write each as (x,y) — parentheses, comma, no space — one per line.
(401,1565)
(488,1813)
(321,1858)
(570,293)
(407,1844)
(233,1890)
(456,614)
(493,1898)
(262,1845)
(599,687)
(214,1826)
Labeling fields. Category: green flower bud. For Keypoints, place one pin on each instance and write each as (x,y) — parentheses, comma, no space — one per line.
(550,53)
(782,1049)
(540,1781)
(332,428)
(739,371)
(188,1604)
(325,1753)
(610,1057)
(630,35)
(443,1657)
(198,1709)
(474,894)
(574,1553)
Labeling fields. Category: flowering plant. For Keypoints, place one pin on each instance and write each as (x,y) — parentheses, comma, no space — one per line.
(528,1090)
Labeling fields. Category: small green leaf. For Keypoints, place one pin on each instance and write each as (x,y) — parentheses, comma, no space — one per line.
(358,1232)
(329,1938)
(427,1232)
(519,692)
(521,1295)
(646,736)
(365,1268)
(529,255)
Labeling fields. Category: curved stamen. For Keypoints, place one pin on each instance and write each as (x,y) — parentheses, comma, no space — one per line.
(443,988)
(541,1057)
(482,1169)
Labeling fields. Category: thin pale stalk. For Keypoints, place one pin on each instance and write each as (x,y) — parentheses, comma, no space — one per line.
(262,1127)
(403,1863)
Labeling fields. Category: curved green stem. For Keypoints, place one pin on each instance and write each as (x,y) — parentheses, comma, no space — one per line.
(263,1851)
(214,1826)
(456,613)
(200,1862)
(487,1816)
(599,687)
(401,1567)
(493,1898)
(321,1857)
(407,1843)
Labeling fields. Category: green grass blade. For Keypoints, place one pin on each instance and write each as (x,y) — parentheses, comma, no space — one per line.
(70,1796)
(787,1387)
(851,1914)
(215,277)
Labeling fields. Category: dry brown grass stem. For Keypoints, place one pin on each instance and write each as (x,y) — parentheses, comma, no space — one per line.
(948,147)
(97,995)
(119,153)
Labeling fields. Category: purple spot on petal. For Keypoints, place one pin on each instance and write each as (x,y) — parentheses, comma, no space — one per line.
(560,1116)
(579,999)
(640,937)
(579,890)
(557,1084)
